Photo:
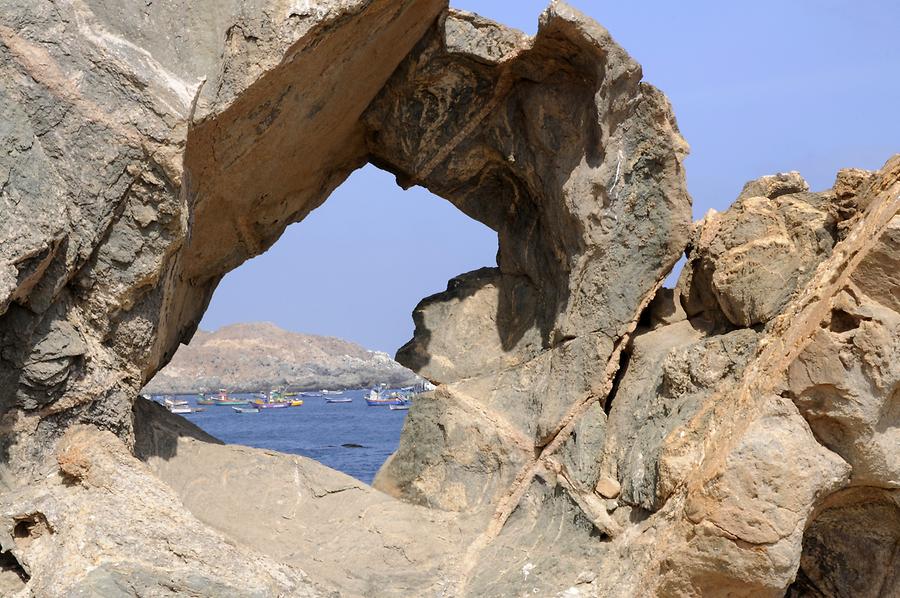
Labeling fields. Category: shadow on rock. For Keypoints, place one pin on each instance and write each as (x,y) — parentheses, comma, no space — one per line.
(156,431)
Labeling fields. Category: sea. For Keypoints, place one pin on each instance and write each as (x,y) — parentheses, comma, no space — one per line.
(350,437)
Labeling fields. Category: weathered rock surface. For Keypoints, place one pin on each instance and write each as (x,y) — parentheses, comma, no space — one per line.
(260,356)
(747,261)
(99,523)
(850,548)
(304,515)
(592,434)
(745,479)
(555,143)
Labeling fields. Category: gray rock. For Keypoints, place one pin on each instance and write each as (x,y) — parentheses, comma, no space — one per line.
(577,165)
(547,541)
(142,161)
(446,445)
(482,323)
(849,547)
(670,373)
(580,455)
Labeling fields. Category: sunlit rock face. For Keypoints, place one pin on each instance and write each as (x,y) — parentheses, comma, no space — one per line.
(591,434)
(555,143)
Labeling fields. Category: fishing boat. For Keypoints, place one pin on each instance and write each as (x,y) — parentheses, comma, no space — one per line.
(225,401)
(245,409)
(403,407)
(269,401)
(272,405)
(296,403)
(230,402)
(205,400)
(374,399)
(341,400)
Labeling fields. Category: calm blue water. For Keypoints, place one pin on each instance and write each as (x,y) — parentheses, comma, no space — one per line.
(316,430)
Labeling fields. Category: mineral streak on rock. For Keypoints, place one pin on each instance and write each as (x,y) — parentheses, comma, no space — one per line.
(591,434)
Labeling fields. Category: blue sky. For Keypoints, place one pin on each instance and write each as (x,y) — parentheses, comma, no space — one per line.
(757,87)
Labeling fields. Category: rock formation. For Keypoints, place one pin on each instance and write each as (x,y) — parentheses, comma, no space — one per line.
(261,355)
(592,432)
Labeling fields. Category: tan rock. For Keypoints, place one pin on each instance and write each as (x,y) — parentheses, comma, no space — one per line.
(775,185)
(752,434)
(747,261)
(306,516)
(102,524)
(608,487)
(851,183)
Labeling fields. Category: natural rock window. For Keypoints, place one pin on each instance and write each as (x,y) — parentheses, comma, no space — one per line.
(144,164)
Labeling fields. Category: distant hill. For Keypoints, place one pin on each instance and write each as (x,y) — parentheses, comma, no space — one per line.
(261,355)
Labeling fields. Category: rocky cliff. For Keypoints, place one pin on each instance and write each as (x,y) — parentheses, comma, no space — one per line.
(261,355)
(592,433)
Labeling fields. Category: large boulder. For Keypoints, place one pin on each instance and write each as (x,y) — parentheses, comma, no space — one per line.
(745,263)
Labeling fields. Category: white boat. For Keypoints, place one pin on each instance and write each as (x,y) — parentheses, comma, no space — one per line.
(246,409)
(424,386)
(169,402)
(332,392)
(404,407)
(180,409)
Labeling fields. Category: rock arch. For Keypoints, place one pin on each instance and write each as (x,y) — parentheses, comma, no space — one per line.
(158,161)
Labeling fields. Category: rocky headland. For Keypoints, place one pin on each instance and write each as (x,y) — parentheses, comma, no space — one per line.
(260,355)
(592,433)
